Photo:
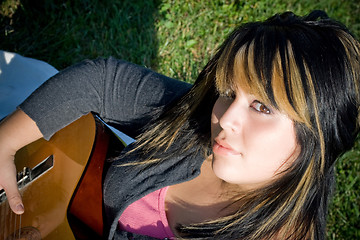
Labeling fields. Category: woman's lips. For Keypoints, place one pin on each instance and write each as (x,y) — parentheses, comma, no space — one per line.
(222,148)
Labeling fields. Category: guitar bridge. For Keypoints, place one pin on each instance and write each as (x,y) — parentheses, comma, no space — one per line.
(27,175)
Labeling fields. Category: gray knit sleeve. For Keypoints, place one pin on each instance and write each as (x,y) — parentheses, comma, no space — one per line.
(123,94)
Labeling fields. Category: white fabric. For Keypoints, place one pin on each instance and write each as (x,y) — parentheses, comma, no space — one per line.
(19,77)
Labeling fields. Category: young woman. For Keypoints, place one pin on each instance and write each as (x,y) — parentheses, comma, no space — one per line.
(247,152)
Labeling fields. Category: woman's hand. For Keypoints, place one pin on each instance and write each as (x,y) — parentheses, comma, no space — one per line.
(16,131)
(9,184)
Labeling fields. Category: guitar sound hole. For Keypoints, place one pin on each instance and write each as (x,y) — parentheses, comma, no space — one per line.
(25,233)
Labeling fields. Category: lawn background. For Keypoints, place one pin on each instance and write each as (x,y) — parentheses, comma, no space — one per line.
(175,38)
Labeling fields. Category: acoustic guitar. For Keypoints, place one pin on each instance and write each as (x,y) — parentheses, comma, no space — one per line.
(61,184)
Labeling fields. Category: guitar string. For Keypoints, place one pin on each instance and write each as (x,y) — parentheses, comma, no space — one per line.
(15,228)
(7,223)
(4,214)
(19,237)
(10,222)
(1,220)
(20,226)
(7,220)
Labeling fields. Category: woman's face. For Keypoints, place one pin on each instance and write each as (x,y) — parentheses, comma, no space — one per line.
(251,142)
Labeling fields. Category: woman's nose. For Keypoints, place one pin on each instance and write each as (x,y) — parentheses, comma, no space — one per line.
(231,119)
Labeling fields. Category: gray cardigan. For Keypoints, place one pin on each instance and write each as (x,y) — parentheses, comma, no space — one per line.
(126,96)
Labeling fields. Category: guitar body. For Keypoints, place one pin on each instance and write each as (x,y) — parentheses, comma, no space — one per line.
(70,189)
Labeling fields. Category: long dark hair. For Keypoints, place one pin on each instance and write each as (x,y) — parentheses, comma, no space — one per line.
(307,67)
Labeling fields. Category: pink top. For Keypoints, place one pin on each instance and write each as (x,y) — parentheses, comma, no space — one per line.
(147,216)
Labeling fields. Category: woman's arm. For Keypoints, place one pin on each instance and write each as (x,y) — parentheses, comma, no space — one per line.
(122,93)
(16,131)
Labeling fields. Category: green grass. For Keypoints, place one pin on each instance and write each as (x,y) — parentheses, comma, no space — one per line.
(65,32)
(175,38)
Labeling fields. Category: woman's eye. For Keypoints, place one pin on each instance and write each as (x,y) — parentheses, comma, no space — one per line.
(261,108)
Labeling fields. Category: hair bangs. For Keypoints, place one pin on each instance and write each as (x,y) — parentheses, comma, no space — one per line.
(238,71)
(274,77)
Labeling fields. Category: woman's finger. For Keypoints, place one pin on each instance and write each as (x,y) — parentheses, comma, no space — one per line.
(14,197)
